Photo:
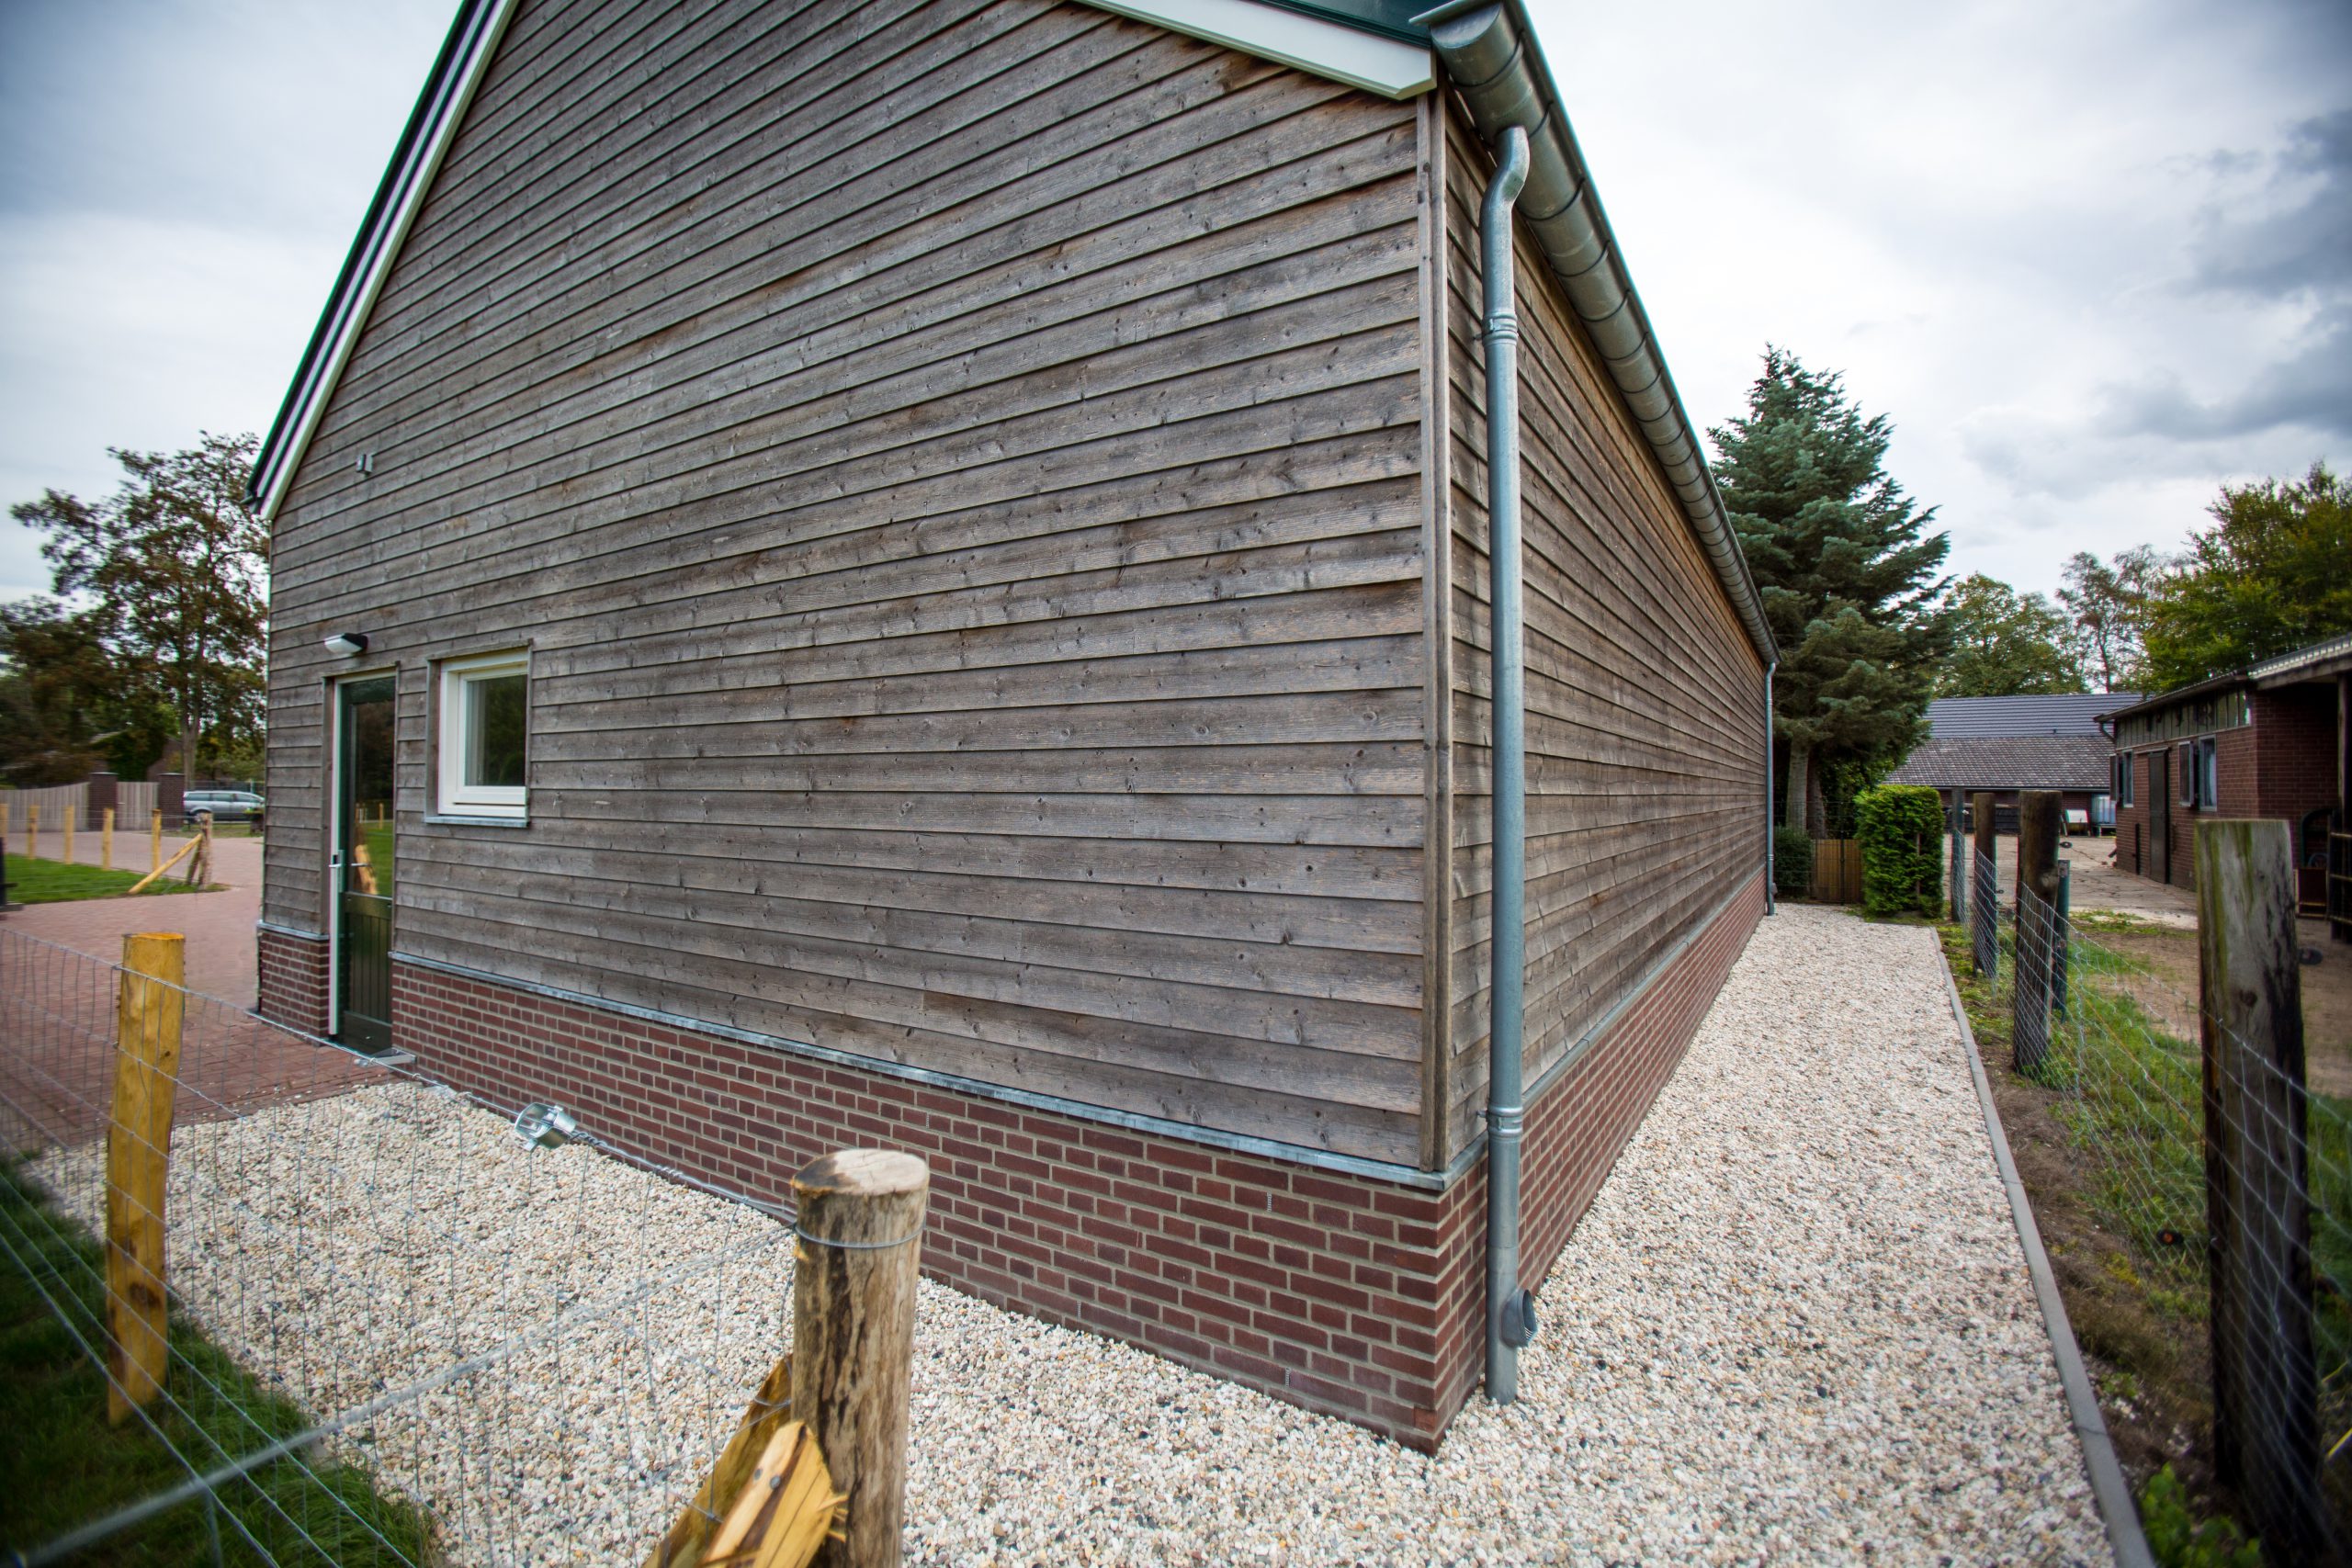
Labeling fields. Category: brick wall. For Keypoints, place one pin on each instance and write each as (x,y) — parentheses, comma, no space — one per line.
(293,979)
(2295,744)
(2280,765)
(1342,1292)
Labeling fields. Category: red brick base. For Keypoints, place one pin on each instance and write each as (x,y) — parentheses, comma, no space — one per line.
(1342,1293)
(293,974)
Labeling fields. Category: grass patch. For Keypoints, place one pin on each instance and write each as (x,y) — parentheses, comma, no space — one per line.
(54,882)
(63,1465)
(2123,1200)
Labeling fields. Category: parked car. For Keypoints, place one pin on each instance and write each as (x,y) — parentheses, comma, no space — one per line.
(226,805)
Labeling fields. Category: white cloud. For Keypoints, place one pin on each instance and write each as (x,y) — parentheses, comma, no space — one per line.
(2026,232)
(2078,252)
(182,182)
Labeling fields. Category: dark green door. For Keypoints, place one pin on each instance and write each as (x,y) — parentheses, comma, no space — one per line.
(362,864)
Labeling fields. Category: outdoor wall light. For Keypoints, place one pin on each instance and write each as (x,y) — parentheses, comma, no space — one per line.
(347,643)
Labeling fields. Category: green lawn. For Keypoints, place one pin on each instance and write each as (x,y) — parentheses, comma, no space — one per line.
(63,1465)
(54,882)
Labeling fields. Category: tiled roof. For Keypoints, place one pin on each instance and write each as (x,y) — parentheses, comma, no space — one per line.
(2014,761)
(2067,712)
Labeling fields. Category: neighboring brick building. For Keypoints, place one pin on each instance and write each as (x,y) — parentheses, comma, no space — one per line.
(2269,741)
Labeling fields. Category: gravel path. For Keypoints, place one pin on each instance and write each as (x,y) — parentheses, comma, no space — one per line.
(1795,1327)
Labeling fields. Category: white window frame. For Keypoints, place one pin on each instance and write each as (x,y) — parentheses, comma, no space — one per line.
(455,796)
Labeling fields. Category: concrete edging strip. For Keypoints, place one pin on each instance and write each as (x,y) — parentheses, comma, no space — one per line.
(2108,1486)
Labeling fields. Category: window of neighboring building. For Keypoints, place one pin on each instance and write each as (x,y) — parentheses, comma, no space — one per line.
(484,727)
(2199,775)
(2124,764)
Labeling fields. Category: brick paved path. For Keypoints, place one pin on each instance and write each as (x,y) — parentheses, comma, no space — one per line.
(219,926)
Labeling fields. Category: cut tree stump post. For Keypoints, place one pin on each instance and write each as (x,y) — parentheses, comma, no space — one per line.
(2037,927)
(1987,950)
(2257,1186)
(139,1146)
(855,1263)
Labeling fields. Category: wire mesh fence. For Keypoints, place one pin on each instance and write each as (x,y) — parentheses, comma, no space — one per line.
(2229,1183)
(398,1330)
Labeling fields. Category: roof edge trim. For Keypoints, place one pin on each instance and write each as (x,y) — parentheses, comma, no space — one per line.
(1354,55)
(1491,46)
(457,71)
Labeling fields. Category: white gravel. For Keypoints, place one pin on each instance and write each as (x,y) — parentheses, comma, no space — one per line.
(1795,1327)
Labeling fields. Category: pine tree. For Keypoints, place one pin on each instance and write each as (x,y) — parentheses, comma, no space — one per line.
(1845,565)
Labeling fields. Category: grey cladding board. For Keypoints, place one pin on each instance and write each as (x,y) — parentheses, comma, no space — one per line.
(1646,781)
(957,468)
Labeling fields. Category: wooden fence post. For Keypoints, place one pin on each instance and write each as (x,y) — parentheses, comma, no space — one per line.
(1959,858)
(139,1146)
(32,829)
(2037,948)
(65,831)
(855,1265)
(1987,950)
(106,840)
(155,840)
(2257,1187)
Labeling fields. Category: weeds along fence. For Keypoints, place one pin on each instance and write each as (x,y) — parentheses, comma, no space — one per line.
(2227,1179)
(398,1330)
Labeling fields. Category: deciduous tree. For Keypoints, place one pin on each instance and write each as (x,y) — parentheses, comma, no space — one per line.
(2108,603)
(2273,574)
(172,571)
(2005,644)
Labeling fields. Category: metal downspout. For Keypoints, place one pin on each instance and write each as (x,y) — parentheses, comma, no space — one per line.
(1771,901)
(1511,1318)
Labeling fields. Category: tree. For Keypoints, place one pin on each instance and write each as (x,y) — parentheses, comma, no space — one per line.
(2273,574)
(2108,606)
(172,567)
(2005,644)
(1845,565)
(68,700)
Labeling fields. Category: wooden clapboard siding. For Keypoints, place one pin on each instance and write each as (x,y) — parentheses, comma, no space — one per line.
(1645,697)
(959,469)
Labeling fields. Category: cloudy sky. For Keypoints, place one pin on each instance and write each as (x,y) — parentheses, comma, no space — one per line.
(2095,259)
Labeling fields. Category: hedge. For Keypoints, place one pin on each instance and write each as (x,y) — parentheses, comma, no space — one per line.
(1901,827)
(1792,862)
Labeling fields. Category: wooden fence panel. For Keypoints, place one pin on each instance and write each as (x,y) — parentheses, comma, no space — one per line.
(1837,871)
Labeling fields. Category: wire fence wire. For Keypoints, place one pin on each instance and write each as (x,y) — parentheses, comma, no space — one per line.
(399,1332)
(2231,1188)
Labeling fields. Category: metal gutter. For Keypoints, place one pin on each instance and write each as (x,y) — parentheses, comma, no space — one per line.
(1491,55)
(457,71)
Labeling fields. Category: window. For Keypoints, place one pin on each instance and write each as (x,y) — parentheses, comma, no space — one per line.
(2200,773)
(485,721)
(2124,764)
